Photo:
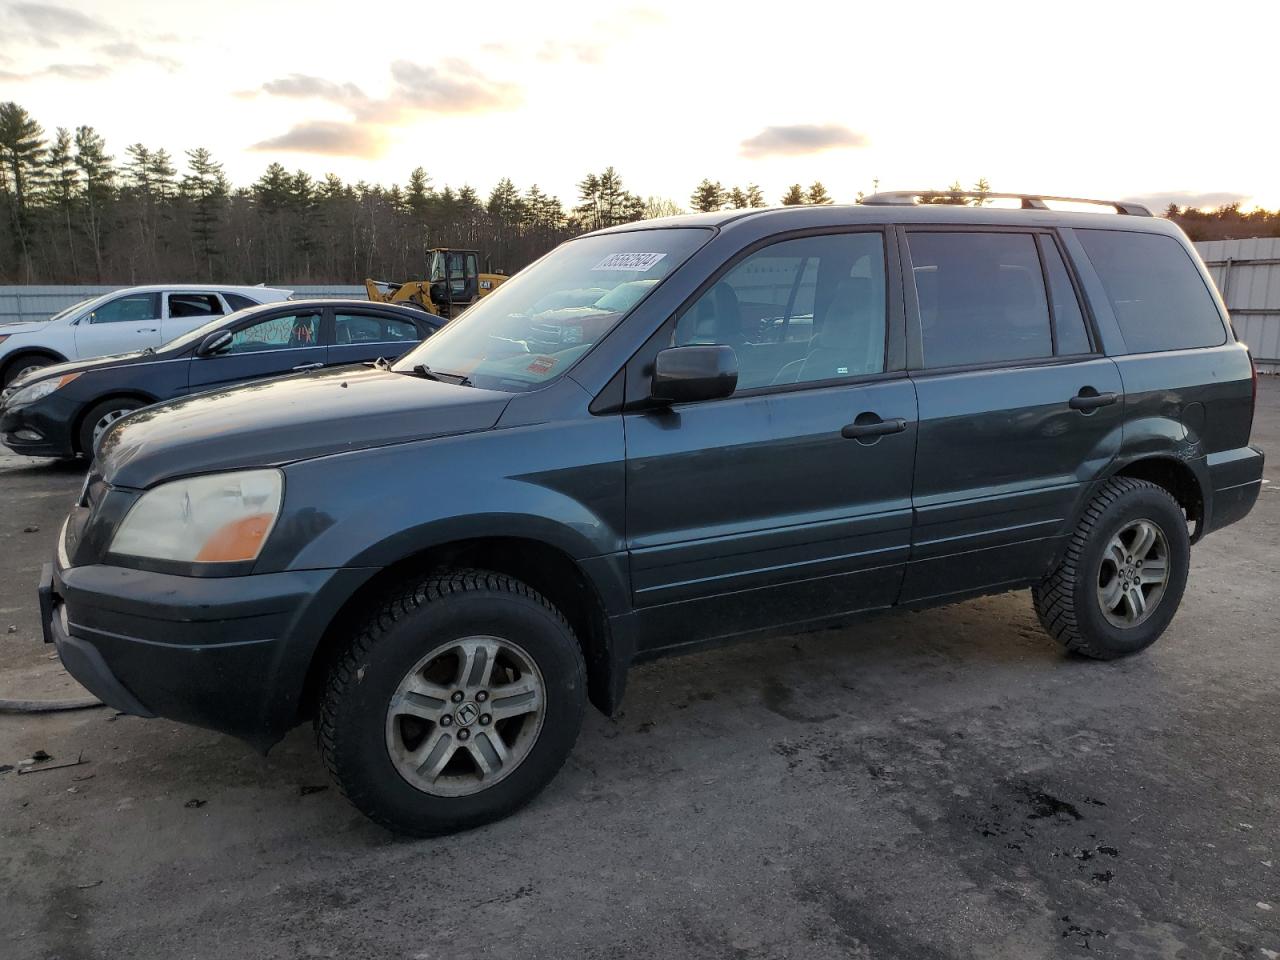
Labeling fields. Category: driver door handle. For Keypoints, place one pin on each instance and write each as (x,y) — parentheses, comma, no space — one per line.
(147,330)
(309,366)
(1092,400)
(864,426)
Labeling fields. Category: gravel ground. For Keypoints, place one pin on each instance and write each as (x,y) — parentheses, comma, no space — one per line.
(929,785)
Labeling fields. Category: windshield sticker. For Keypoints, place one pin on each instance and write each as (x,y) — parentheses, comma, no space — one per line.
(631,262)
(541,365)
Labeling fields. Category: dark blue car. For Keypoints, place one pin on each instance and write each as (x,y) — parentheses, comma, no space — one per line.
(62,410)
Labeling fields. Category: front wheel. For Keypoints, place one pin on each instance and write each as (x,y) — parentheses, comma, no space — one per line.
(457,702)
(100,418)
(1120,582)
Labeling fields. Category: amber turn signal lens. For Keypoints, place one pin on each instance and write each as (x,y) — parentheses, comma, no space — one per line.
(239,540)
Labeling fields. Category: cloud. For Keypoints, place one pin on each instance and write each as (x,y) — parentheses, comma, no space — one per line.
(453,87)
(1159,202)
(65,71)
(329,138)
(125,51)
(802,138)
(303,85)
(48,21)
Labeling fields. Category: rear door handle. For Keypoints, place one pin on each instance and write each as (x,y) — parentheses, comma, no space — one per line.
(309,366)
(147,330)
(1090,399)
(870,425)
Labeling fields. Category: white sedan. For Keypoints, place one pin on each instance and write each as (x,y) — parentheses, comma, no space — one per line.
(121,322)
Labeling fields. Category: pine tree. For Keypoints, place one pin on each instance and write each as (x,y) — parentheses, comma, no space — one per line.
(755,196)
(419,193)
(21,149)
(709,196)
(64,181)
(818,194)
(206,187)
(794,196)
(99,187)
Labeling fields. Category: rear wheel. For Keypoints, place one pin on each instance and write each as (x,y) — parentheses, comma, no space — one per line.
(100,418)
(1122,577)
(457,702)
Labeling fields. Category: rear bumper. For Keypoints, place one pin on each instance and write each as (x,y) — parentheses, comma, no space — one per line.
(227,653)
(1235,478)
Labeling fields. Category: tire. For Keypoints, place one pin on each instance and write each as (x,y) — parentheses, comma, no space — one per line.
(1072,602)
(372,750)
(106,412)
(24,364)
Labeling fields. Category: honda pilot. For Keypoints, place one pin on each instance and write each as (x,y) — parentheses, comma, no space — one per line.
(661,436)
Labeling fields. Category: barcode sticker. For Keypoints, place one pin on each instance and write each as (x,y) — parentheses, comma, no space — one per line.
(633,262)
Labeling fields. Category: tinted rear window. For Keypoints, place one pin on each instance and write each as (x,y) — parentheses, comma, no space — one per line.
(238,301)
(1159,298)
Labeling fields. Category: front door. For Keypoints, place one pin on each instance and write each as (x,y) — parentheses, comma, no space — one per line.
(789,501)
(281,343)
(127,323)
(1018,410)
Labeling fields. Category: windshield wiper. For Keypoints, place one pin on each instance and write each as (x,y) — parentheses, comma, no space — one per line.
(423,371)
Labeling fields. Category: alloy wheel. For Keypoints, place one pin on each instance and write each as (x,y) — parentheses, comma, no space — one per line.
(1133,573)
(465,716)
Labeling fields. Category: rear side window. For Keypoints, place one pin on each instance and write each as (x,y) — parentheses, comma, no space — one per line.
(1158,296)
(186,305)
(366,328)
(239,301)
(982,297)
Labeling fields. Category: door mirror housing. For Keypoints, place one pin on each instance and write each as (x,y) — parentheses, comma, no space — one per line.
(693,373)
(215,343)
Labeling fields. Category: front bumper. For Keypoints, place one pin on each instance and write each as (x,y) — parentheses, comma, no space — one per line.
(40,429)
(227,653)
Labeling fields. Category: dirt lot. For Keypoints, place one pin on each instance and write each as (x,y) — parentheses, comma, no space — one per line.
(941,784)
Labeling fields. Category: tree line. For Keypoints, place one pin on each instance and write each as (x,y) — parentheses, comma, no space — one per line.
(72,212)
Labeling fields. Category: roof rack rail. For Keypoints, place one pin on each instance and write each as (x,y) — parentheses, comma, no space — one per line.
(1030,201)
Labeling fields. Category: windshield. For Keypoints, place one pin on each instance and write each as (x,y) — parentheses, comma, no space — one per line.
(532,328)
(73,308)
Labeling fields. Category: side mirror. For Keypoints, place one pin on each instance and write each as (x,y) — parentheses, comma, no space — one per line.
(689,374)
(215,343)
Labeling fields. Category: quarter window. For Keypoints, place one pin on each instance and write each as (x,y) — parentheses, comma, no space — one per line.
(1159,298)
(239,301)
(797,311)
(186,305)
(133,308)
(366,328)
(982,297)
(290,331)
(1068,320)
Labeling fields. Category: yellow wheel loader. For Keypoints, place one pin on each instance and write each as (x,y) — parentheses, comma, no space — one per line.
(453,283)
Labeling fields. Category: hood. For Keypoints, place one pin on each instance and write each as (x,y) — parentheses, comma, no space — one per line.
(294,418)
(82,366)
(25,326)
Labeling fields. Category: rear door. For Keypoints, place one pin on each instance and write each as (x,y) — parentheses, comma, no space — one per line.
(126,323)
(768,507)
(363,334)
(1018,407)
(282,342)
(184,311)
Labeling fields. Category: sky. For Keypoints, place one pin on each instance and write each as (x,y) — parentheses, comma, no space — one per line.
(1156,101)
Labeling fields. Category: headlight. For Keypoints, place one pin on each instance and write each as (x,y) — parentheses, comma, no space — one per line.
(223,518)
(38,391)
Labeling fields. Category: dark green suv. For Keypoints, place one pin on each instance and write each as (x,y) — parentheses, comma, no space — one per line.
(661,436)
